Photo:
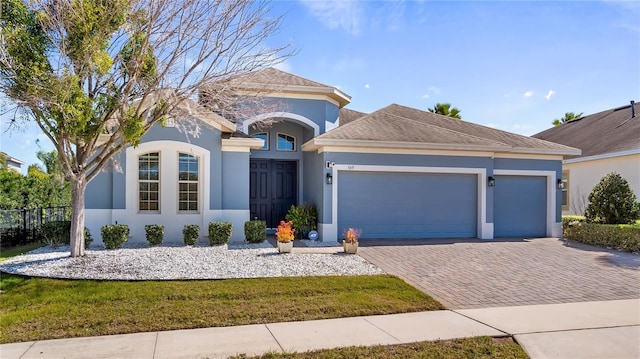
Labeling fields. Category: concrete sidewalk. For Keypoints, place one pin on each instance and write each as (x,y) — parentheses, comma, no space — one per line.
(608,329)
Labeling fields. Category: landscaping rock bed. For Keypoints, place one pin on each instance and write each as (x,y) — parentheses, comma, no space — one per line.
(177,262)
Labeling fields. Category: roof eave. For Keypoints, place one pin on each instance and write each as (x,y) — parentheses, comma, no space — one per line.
(339,96)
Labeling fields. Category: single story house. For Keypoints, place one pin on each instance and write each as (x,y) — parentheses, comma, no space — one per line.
(398,172)
(610,142)
(12,163)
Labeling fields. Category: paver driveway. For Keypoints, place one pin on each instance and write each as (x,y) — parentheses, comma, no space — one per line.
(488,273)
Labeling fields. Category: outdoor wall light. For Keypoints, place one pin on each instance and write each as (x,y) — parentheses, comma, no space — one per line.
(329,178)
(491,181)
(560,183)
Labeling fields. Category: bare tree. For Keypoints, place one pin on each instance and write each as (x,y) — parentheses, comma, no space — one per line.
(96,75)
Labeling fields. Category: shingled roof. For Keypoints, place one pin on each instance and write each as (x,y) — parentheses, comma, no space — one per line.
(404,127)
(283,82)
(609,131)
(347,115)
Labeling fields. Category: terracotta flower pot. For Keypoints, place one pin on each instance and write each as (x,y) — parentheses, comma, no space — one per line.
(350,248)
(285,247)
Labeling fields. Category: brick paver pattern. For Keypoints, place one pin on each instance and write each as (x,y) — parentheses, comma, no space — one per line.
(476,274)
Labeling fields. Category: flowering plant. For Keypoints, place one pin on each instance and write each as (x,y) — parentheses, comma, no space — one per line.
(285,233)
(352,235)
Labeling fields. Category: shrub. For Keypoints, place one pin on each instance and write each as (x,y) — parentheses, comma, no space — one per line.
(220,232)
(255,231)
(114,235)
(154,233)
(612,201)
(190,233)
(59,232)
(304,219)
(56,232)
(619,237)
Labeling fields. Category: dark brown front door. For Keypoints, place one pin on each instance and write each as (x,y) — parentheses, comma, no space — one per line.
(273,188)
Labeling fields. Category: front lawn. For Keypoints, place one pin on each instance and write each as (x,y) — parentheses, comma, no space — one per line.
(472,348)
(14,251)
(40,308)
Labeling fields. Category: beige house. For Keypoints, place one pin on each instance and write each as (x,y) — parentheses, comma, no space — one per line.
(610,142)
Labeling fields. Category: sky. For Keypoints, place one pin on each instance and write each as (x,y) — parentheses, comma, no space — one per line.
(511,65)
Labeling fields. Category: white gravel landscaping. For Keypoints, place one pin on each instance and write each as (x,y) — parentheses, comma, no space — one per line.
(168,262)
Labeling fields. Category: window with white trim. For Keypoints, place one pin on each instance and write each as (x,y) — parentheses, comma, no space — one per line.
(565,190)
(187,182)
(286,142)
(149,182)
(265,137)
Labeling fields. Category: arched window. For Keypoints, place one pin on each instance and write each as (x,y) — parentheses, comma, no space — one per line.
(263,136)
(286,142)
(187,182)
(149,182)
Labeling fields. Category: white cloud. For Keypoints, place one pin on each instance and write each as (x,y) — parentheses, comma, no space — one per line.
(367,86)
(528,94)
(432,90)
(425,95)
(549,94)
(338,14)
(284,66)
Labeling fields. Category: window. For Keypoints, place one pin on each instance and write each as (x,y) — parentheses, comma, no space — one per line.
(149,182)
(286,142)
(187,182)
(565,190)
(263,136)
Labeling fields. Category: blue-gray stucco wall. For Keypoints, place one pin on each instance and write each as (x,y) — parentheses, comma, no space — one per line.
(107,190)
(313,181)
(235,180)
(317,111)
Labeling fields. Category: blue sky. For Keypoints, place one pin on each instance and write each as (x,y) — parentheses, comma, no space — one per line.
(511,65)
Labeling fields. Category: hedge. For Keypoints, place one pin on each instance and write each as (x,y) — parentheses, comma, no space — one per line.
(620,237)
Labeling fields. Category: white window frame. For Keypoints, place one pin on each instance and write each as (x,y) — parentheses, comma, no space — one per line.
(287,136)
(158,191)
(266,141)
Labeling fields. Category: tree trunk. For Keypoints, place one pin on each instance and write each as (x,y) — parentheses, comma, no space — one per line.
(78,187)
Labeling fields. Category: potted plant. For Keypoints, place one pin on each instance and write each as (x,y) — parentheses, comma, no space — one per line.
(350,243)
(285,235)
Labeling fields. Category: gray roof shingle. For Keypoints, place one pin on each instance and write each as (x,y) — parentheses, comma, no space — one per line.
(348,115)
(609,131)
(411,127)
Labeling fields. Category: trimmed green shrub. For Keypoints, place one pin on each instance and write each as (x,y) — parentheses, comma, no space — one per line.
(87,237)
(255,231)
(190,233)
(612,202)
(615,236)
(154,233)
(220,232)
(114,235)
(304,219)
(56,232)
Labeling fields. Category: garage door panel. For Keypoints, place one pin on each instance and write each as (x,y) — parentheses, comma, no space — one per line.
(408,205)
(520,206)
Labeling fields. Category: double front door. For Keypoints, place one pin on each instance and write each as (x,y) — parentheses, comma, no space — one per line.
(273,188)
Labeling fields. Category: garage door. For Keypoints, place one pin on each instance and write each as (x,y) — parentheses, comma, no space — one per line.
(408,205)
(520,206)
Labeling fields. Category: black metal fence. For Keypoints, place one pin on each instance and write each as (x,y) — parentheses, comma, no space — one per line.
(22,226)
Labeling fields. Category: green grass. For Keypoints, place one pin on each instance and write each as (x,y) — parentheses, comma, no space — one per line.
(40,308)
(479,347)
(15,251)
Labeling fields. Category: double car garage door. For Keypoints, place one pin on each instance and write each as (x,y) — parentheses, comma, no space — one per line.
(433,205)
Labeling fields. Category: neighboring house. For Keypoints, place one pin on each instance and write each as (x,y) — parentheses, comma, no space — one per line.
(12,162)
(610,142)
(395,173)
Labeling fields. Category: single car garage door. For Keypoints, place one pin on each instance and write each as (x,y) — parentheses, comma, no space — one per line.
(520,206)
(408,205)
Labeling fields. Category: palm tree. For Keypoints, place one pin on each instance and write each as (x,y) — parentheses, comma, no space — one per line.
(446,110)
(569,116)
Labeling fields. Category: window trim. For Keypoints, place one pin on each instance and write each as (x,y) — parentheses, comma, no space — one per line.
(295,142)
(139,181)
(566,183)
(266,141)
(198,182)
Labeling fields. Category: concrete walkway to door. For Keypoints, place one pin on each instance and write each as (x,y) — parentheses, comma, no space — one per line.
(473,273)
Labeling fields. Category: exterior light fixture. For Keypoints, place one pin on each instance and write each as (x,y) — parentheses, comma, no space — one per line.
(329,178)
(560,183)
(491,181)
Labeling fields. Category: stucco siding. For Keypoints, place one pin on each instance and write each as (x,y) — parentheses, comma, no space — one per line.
(235,180)
(583,176)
